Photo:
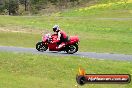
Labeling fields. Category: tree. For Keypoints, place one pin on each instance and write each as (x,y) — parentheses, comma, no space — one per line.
(13,7)
(25,3)
(1,5)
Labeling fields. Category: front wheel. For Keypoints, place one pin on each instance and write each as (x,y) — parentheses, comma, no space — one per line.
(72,49)
(41,47)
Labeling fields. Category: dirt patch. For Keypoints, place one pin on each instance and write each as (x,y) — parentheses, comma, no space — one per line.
(24,30)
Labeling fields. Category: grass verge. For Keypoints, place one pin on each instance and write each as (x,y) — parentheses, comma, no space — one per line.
(19,70)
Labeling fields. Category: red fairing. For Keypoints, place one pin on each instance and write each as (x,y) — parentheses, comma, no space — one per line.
(73,39)
(54,38)
(52,46)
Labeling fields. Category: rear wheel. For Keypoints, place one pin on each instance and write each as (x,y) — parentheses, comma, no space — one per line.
(72,49)
(41,47)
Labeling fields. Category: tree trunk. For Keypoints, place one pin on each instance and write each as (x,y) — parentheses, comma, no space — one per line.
(25,5)
(9,8)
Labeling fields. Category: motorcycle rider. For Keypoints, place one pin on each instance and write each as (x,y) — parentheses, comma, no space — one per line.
(62,37)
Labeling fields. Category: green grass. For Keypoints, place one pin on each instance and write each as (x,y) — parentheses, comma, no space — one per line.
(19,70)
(109,9)
(19,39)
(96,35)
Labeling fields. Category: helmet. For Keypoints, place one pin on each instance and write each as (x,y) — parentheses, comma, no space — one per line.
(56,28)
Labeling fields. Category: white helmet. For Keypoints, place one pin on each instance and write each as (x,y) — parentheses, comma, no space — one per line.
(56,28)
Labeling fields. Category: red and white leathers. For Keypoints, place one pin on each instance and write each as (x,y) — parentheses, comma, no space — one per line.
(62,38)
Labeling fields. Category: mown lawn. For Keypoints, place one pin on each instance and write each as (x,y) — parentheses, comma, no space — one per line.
(22,70)
(19,39)
(101,28)
(96,35)
(19,70)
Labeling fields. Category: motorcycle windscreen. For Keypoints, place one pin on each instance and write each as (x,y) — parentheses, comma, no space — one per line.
(44,38)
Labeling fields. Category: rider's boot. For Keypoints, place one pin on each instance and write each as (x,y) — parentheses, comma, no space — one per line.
(60,46)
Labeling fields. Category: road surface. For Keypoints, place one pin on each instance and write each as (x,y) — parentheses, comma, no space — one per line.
(80,54)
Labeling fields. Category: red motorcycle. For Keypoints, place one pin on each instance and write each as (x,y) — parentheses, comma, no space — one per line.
(50,42)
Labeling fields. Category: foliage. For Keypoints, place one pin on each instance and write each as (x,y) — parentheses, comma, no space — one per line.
(33,6)
(36,6)
(13,7)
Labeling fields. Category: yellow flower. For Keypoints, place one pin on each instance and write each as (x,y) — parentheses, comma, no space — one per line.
(104,5)
(129,1)
(86,8)
(80,9)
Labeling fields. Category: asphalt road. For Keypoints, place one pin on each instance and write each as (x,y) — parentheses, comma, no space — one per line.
(80,54)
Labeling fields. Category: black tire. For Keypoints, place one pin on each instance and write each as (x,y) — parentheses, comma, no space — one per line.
(72,49)
(41,47)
